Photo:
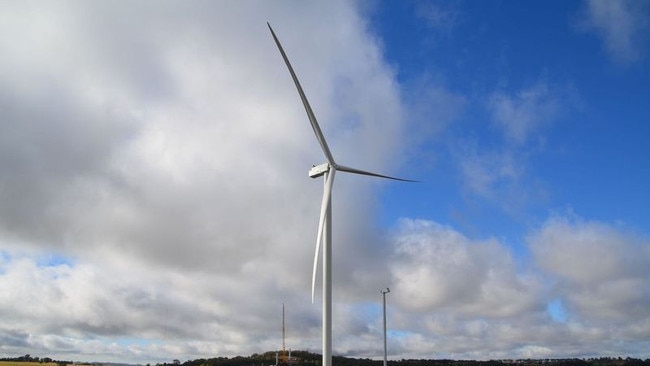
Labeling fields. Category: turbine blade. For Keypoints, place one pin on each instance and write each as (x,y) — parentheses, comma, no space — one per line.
(363,172)
(325,204)
(305,102)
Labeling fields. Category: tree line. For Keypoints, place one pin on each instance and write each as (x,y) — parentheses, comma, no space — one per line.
(304,358)
(28,358)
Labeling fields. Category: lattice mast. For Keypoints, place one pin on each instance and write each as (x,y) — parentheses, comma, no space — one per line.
(284,350)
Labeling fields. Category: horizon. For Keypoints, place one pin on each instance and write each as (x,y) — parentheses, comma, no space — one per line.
(316,355)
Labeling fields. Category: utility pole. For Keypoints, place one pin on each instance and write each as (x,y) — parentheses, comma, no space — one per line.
(385,352)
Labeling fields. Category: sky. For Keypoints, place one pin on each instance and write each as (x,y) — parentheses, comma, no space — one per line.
(155,202)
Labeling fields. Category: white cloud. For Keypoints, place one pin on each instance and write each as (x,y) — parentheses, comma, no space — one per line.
(523,113)
(162,151)
(451,295)
(622,25)
(493,175)
(601,271)
(438,268)
(495,167)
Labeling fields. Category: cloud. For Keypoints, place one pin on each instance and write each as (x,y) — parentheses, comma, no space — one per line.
(601,271)
(161,151)
(433,106)
(440,16)
(523,113)
(159,166)
(437,267)
(621,25)
(457,295)
(492,175)
(494,165)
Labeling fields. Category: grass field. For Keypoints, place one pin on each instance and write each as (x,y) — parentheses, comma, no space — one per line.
(15,363)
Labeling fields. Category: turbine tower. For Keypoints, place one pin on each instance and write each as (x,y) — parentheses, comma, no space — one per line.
(327,170)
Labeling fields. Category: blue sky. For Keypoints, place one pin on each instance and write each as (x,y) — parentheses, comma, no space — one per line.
(155,203)
(586,153)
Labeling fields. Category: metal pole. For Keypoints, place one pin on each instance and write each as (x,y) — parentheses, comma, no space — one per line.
(385,352)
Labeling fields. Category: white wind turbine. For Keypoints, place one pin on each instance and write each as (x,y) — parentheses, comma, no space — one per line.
(327,170)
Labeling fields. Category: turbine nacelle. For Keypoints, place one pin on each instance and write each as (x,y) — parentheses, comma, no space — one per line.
(319,170)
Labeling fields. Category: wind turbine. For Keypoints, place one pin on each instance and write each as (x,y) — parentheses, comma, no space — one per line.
(327,171)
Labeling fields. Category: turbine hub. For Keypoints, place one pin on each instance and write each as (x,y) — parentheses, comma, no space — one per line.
(318,170)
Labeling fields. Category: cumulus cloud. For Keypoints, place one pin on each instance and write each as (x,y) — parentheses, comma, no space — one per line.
(437,267)
(601,271)
(622,25)
(455,294)
(155,150)
(452,295)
